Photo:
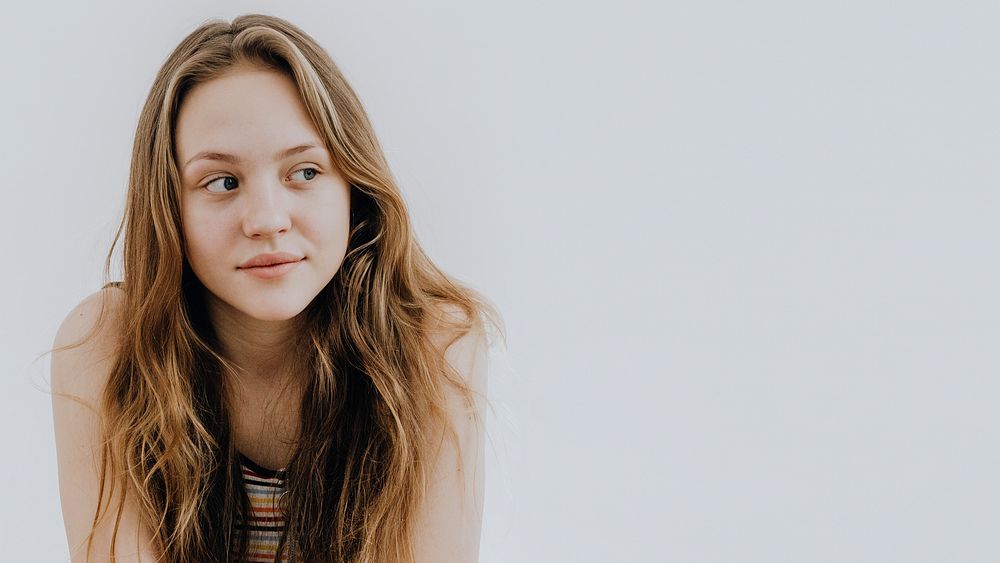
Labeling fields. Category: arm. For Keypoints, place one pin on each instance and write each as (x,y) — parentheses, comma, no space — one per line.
(78,378)
(448,527)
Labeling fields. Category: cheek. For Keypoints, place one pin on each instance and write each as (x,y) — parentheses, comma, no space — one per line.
(340,229)
(329,219)
(203,239)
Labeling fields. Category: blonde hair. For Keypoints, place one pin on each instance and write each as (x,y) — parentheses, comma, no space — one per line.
(374,406)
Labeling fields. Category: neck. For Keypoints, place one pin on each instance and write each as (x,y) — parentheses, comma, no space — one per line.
(261,350)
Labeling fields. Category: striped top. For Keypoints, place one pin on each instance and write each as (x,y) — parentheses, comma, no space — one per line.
(267,522)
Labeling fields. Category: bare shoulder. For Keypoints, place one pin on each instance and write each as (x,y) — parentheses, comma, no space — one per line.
(86,344)
(449,521)
(462,340)
(85,349)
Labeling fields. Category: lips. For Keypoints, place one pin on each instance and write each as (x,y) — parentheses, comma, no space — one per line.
(270,259)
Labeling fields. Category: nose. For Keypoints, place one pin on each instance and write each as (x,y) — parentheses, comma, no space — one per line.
(265,212)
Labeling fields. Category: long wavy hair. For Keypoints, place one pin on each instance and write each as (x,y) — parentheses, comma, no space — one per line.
(373,412)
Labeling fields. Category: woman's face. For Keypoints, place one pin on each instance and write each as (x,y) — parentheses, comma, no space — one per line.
(258,181)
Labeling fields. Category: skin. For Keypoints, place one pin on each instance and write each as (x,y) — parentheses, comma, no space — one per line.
(233,209)
(271,206)
(231,212)
(447,526)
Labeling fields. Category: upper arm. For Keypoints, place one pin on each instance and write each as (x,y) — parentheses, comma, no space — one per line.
(449,522)
(79,374)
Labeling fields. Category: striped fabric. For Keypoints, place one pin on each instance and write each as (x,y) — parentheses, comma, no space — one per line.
(267,523)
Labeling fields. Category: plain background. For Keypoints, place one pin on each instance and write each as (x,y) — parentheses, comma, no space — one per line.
(746,252)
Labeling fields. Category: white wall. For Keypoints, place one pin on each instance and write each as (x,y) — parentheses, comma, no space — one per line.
(746,251)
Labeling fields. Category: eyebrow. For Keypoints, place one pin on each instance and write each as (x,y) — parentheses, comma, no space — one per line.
(233,159)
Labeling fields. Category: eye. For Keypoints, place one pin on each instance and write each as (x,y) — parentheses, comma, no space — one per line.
(226,186)
(308,173)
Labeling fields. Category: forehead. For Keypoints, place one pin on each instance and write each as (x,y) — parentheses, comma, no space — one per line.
(246,111)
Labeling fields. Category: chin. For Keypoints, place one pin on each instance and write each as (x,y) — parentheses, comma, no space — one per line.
(278,312)
(266,306)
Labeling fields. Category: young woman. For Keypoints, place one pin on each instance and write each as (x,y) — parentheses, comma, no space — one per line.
(282,374)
